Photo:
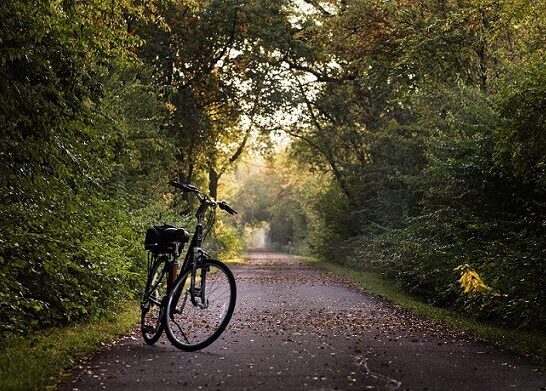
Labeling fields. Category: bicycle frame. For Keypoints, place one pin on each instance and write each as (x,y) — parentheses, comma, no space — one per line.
(194,255)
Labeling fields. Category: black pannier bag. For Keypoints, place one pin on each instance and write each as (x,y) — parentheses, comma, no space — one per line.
(163,238)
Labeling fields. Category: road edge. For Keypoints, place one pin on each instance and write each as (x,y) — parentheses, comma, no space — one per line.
(528,344)
(41,360)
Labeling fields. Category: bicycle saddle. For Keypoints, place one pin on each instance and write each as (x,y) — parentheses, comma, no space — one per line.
(173,234)
(161,238)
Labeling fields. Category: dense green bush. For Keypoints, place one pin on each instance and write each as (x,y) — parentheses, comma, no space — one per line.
(481,203)
(92,127)
(58,157)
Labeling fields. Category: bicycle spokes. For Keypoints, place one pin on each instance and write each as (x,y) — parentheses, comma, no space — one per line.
(153,303)
(201,310)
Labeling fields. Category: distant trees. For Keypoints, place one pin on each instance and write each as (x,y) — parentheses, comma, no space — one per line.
(428,118)
(274,192)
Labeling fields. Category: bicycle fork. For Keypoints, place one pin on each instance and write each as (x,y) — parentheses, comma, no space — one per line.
(198,290)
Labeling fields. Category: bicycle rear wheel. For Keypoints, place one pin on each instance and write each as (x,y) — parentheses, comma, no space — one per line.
(193,323)
(151,324)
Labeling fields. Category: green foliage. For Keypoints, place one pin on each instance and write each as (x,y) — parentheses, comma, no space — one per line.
(227,242)
(520,140)
(74,100)
(428,121)
(35,362)
(87,147)
(477,212)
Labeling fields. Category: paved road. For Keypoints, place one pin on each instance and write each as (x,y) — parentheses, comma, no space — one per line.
(299,328)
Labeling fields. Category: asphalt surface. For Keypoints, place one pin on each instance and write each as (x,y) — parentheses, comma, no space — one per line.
(299,328)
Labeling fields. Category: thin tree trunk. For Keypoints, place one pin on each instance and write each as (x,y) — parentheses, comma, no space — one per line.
(213,181)
(325,149)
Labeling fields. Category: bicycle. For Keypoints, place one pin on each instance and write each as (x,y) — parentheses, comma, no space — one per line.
(194,306)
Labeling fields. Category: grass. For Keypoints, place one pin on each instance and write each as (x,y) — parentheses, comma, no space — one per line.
(36,361)
(234,261)
(522,342)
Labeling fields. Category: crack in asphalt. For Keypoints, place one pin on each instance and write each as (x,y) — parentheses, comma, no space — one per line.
(390,383)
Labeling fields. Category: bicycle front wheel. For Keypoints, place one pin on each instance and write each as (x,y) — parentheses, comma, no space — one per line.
(197,314)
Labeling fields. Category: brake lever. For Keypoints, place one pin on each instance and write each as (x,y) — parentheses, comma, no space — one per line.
(224,206)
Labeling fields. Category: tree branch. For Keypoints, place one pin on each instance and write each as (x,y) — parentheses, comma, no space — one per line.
(320,8)
(306,139)
(217,58)
(325,150)
(323,78)
(242,146)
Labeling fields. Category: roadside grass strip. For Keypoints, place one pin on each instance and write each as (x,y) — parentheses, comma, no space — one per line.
(234,261)
(36,361)
(527,343)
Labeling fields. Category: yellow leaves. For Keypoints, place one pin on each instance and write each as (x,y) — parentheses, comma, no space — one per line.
(471,281)
(168,198)
(170,107)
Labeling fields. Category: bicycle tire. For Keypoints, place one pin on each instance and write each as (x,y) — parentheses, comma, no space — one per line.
(179,306)
(151,331)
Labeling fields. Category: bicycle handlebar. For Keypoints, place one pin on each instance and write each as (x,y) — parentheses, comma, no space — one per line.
(188,188)
(185,187)
(225,207)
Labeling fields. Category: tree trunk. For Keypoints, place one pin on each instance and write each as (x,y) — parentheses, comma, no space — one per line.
(339,178)
(213,182)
